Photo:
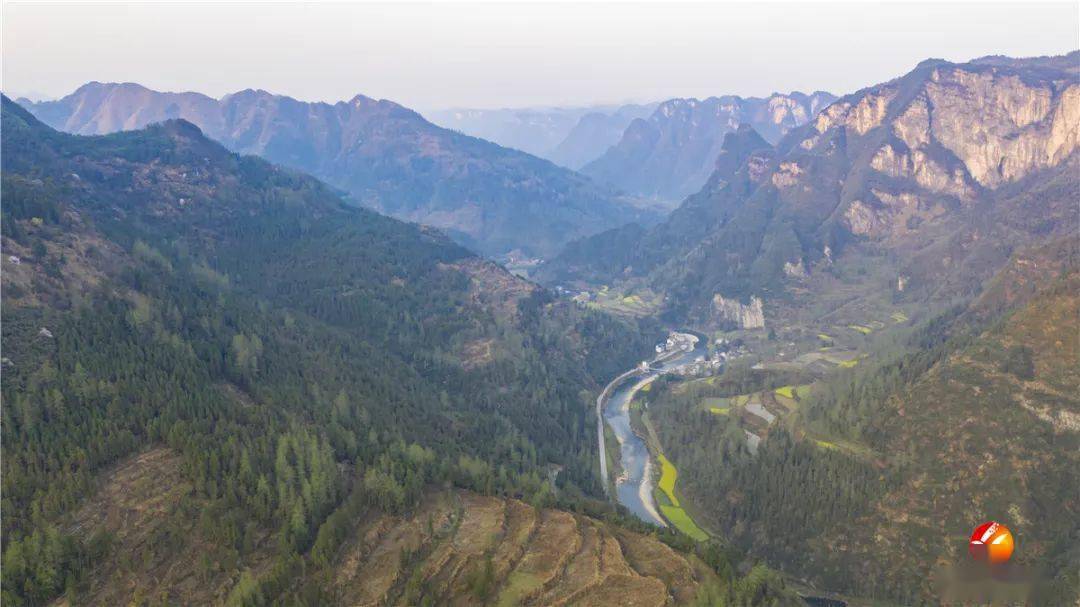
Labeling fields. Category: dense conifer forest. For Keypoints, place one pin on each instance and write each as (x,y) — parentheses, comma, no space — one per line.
(304,357)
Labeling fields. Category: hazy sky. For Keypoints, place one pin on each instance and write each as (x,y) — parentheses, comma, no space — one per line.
(494,55)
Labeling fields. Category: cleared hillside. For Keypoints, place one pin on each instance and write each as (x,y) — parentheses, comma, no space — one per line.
(155,543)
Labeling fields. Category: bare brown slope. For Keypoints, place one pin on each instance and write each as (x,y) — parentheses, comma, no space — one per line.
(467,549)
(464,548)
(148,543)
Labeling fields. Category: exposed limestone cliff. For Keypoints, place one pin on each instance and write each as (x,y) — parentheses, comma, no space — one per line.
(924,170)
(1021,127)
(747,316)
(891,215)
(939,171)
(756,166)
(784,109)
(795,269)
(998,126)
(913,126)
(870,111)
(962,130)
(787,175)
(832,116)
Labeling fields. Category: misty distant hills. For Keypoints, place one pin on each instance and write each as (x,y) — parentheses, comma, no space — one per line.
(594,133)
(386,156)
(569,137)
(533,130)
(670,154)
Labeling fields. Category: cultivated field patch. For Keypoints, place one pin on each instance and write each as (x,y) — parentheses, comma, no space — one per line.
(669,502)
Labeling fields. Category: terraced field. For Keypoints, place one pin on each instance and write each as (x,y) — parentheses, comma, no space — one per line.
(466,549)
(638,304)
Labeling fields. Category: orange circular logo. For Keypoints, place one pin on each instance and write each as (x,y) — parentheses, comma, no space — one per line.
(991,542)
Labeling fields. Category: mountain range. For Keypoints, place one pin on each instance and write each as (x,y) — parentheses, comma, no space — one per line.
(387,157)
(904,267)
(569,137)
(670,154)
(594,133)
(937,176)
(228,382)
(534,130)
(224,384)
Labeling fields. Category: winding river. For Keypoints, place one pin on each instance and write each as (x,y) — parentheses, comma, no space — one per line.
(634,485)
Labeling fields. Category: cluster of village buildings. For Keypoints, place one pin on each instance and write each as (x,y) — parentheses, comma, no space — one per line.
(706,364)
(677,342)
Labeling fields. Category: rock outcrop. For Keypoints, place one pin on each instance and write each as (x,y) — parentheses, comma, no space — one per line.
(746,316)
(1021,127)
(948,131)
(935,171)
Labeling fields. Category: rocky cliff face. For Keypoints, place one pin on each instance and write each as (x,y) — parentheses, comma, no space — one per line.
(671,154)
(386,156)
(951,131)
(1021,128)
(746,316)
(942,173)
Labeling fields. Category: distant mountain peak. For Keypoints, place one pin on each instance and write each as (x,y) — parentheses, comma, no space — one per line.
(671,154)
(178,127)
(943,169)
(111,88)
(744,137)
(386,156)
(359,100)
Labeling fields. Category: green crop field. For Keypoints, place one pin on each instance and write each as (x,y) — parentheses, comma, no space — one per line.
(669,504)
(638,304)
(668,476)
(741,400)
(787,391)
(682,521)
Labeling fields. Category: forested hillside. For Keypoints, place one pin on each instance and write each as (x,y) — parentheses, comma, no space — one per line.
(160,290)
(911,251)
(874,483)
(453,547)
(385,156)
